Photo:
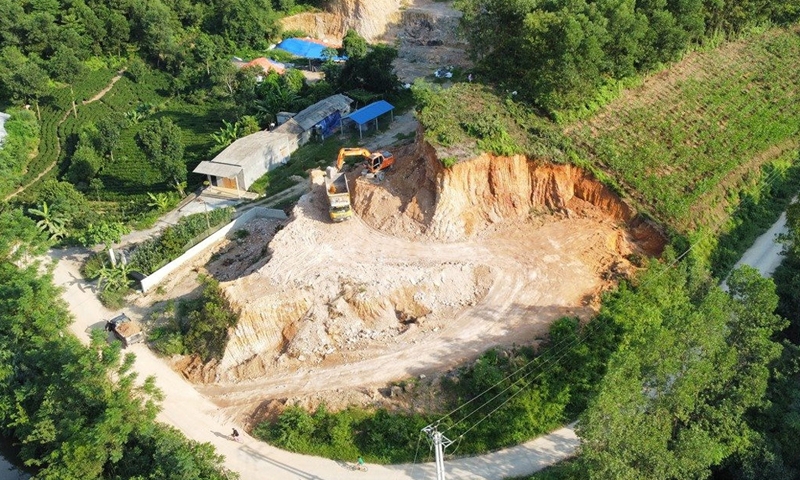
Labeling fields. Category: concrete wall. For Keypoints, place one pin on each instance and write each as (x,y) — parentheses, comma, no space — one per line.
(152,280)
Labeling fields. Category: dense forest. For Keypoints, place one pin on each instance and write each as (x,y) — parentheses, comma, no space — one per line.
(564,55)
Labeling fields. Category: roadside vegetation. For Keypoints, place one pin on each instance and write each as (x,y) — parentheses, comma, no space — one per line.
(75,411)
(197,326)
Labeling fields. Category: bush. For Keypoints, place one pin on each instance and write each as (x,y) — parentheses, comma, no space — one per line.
(112,298)
(154,253)
(205,322)
(91,267)
(167,340)
(20,142)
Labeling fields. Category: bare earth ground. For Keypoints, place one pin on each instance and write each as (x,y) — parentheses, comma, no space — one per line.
(504,287)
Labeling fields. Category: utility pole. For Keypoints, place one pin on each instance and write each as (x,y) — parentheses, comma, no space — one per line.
(440,442)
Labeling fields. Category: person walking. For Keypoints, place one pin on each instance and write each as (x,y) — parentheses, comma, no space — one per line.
(235,435)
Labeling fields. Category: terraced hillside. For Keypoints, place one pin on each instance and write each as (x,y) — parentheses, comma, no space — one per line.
(681,141)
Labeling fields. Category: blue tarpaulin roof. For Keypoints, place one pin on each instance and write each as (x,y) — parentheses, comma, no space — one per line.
(371,111)
(304,48)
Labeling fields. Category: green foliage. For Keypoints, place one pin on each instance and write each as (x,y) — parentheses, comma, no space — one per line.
(675,152)
(692,361)
(376,436)
(153,253)
(484,122)
(205,323)
(76,411)
(103,233)
(19,236)
(161,142)
(572,54)
(17,148)
(50,222)
(354,45)
(372,72)
(167,337)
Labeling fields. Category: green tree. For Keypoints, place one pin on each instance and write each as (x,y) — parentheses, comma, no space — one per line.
(50,222)
(65,67)
(109,130)
(161,142)
(160,201)
(372,72)
(84,165)
(694,360)
(354,45)
(31,83)
(19,236)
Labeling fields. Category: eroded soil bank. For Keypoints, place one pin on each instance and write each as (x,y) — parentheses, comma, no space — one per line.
(436,266)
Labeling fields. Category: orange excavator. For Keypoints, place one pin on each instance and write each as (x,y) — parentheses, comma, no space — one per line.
(375,162)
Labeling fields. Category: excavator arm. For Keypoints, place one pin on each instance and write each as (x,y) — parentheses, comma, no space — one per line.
(347,152)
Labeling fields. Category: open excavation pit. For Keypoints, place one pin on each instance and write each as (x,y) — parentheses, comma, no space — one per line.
(436,266)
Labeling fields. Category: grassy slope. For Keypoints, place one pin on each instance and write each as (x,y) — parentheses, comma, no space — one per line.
(692,132)
(683,145)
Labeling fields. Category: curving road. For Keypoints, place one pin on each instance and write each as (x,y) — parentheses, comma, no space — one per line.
(200,419)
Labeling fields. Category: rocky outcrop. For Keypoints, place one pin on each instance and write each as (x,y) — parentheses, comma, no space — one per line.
(372,19)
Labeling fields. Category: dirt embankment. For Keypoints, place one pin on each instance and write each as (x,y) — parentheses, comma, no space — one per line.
(429,251)
(426,32)
(474,197)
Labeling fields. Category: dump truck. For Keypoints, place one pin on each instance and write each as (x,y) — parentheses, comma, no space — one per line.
(338,195)
(126,330)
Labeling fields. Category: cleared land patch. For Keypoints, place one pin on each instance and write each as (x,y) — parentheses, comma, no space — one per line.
(675,139)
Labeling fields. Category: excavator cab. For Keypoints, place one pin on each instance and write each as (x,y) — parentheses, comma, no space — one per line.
(375,162)
(380,161)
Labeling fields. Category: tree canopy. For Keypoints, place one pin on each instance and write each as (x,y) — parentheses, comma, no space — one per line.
(559,53)
(76,412)
(693,362)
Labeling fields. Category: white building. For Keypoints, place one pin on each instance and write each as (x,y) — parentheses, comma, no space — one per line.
(250,157)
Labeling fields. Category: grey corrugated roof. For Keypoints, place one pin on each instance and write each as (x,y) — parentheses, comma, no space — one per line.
(314,114)
(218,169)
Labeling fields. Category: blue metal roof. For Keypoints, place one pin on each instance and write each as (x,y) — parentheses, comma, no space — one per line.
(370,112)
(304,48)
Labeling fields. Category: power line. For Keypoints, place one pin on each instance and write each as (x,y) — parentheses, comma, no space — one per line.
(590,327)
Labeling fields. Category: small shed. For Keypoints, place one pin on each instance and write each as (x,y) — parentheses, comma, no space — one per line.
(371,112)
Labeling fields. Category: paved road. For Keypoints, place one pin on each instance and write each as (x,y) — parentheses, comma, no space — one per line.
(765,254)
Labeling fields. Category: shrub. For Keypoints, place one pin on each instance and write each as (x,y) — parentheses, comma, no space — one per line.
(205,322)
(154,253)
